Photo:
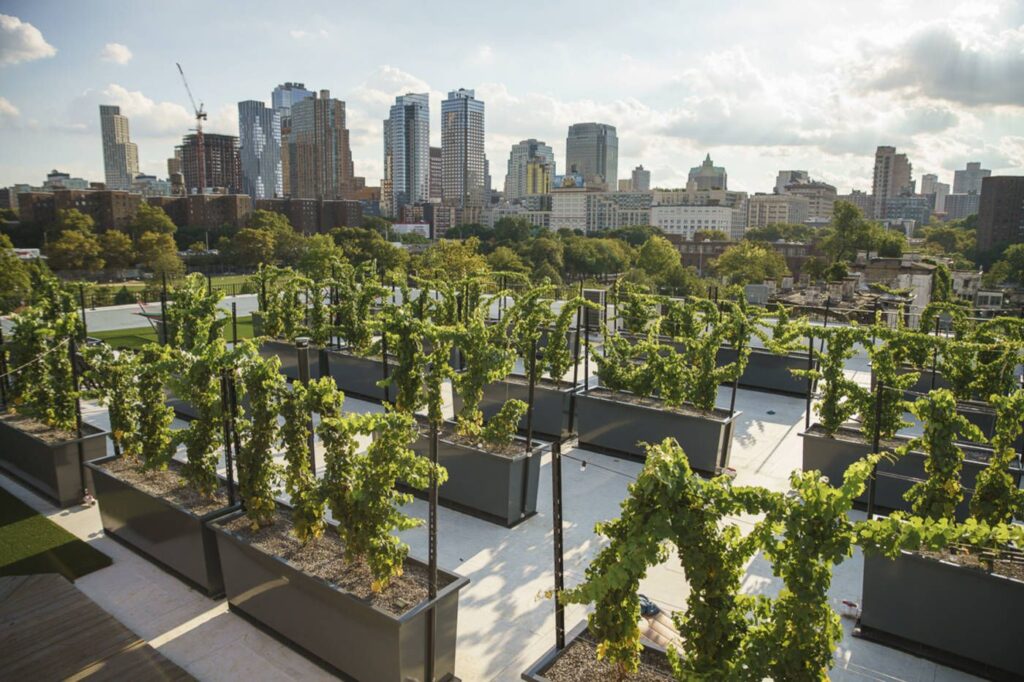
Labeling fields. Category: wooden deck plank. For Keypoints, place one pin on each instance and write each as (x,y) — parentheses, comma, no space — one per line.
(50,630)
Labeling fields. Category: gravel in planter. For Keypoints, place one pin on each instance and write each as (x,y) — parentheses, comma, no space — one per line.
(447,432)
(1009,568)
(37,428)
(657,403)
(578,663)
(325,558)
(168,484)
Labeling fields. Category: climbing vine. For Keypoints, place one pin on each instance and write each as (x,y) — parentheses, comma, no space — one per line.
(262,383)
(156,444)
(997,499)
(840,397)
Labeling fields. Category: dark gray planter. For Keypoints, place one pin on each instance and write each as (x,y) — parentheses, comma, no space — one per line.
(959,616)
(536,672)
(358,376)
(53,469)
(924,381)
(551,404)
(493,487)
(832,456)
(615,427)
(768,371)
(170,535)
(344,632)
(290,358)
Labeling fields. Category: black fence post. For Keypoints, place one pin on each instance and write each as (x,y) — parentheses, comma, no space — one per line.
(81,304)
(75,385)
(556,519)
(302,350)
(575,370)
(810,381)
(876,442)
(226,425)
(3,370)
(532,369)
(432,555)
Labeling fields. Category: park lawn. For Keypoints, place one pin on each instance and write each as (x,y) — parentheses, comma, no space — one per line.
(140,336)
(30,543)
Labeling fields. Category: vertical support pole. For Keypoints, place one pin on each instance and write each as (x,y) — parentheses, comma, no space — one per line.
(556,519)
(233,399)
(876,441)
(209,284)
(164,336)
(302,351)
(935,352)
(384,363)
(586,353)
(810,381)
(81,303)
(3,371)
(234,323)
(532,369)
(432,554)
(828,307)
(575,370)
(75,382)
(225,411)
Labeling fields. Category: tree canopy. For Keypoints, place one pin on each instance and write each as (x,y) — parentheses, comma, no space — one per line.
(748,262)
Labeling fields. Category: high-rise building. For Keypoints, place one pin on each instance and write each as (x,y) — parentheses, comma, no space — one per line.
(962,205)
(282,99)
(708,176)
(641,181)
(891,178)
(319,155)
(259,139)
(286,95)
(968,180)
(222,163)
(120,154)
(937,191)
(768,209)
(462,149)
(436,173)
(523,154)
(862,200)
(407,151)
(592,150)
(1001,211)
(785,178)
(539,176)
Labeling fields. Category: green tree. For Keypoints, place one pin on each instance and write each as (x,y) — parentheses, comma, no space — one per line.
(381,226)
(117,248)
(75,250)
(545,250)
(749,262)
(710,236)
(320,257)
(268,220)
(634,235)
(512,230)
(15,281)
(790,232)
(657,257)
(504,259)
(159,254)
(360,246)
(454,260)
(252,247)
(150,218)
(71,220)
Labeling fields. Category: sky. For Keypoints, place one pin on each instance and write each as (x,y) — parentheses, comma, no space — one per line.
(761,86)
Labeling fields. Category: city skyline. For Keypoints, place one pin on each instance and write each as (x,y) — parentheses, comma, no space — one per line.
(823,104)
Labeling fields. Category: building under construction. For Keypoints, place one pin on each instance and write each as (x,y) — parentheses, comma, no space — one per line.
(223,165)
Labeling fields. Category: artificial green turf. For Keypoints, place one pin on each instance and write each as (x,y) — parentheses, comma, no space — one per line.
(31,543)
(140,336)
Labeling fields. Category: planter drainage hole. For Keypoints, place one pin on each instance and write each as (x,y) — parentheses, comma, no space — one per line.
(771,411)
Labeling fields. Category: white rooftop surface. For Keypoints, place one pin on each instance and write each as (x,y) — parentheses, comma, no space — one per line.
(505,623)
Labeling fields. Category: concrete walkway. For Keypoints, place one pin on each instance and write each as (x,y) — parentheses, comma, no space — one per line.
(505,623)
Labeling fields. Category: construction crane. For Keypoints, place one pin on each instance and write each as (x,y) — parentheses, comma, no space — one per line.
(200,117)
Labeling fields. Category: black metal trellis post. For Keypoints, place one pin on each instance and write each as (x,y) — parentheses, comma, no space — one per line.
(233,396)
(575,370)
(556,519)
(226,425)
(75,385)
(302,350)
(810,381)
(935,352)
(234,323)
(3,370)
(432,554)
(586,353)
(163,318)
(532,368)
(81,304)
(828,307)
(876,442)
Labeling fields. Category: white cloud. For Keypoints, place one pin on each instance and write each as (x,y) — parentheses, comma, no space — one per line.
(302,34)
(8,110)
(116,53)
(147,117)
(21,42)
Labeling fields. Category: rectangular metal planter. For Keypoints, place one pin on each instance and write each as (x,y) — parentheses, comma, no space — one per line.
(536,672)
(768,371)
(163,531)
(832,456)
(53,469)
(960,616)
(290,358)
(493,487)
(616,427)
(551,404)
(346,633)
(358,376)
